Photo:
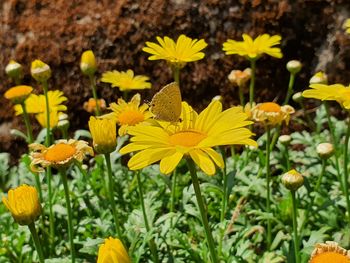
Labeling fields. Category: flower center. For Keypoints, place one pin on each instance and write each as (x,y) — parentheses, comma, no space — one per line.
(59,152)
(187,138)
(18,91)
(270,107)
(327,257)
(130,117)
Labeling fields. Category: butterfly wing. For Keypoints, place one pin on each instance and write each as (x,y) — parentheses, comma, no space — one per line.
(166,104)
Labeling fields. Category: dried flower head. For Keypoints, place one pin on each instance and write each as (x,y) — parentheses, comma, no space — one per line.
(240,78)
(329,252)
(90,105)
(270,113)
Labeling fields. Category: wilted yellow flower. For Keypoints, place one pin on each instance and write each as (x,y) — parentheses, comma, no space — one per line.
(23,203)
(40,71)
(239,77)
(292,180)
(194,137)
(37,103)
(14,70)
(128,114)
(18,94)
(88,63)
(329,252)
(184,50)
(336,92)
(319,78)
(59,155)
(90,105)
(104,134)
(270,113)
(253,49)
(125,80)
(347,25)
(112,251)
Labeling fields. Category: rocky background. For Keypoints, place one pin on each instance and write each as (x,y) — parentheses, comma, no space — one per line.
(57,32)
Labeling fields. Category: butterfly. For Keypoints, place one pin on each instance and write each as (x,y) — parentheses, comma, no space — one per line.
(166,104)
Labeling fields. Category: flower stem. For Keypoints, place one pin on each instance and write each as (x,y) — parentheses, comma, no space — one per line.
(318,184)
(176,72)
(241,96)
(35,237)
(286,152)
(295,229)
(111,196)
(224,199)
(94,93)
(173,192)
(252,82)
(197,190)
(268,208)
(69,212)
(48,126)
(346,172)
(51,216)
(27,123)
(290,88)
(152,245)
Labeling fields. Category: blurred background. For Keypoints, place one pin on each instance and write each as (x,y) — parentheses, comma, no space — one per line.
(57,32)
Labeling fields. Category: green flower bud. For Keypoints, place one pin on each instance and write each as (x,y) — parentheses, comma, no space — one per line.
(292,180)
(40,71)
(294,66)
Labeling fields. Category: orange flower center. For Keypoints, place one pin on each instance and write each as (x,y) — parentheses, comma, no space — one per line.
(59,152)
(18,91)
(187,138)
(327,257)
(270,107)
(130,117)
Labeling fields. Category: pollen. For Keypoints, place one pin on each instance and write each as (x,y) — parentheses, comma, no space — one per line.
(131,117)
(187,138)
(327,257)
(270,107)
(60,152)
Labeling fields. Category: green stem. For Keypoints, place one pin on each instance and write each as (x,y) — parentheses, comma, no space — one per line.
(287,157)
(197,190)
(176,72)
(111,196)
(268,208)
(307,115)
(295,229)
(94,93)
(152,245)
(48,127)
(241,96)
(252,82)
(35,237)
(318,184)
(27,123)
(346,171)
(173,192)
(224,199)
(290,88)
(69,212)
(51,215)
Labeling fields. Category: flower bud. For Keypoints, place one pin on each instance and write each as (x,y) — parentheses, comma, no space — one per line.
(325,150)
(297,97)
(319,78)
(14,70)
(23,203)
(292,180)
(62,116)
(217,97)
(285,139)
(294,66)
(112,251)
(63,124)
(40,71)
(104,134)
(88,63)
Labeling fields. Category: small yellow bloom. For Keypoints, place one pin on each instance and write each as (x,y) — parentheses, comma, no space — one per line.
(59,155)
(40,71)
(88,63)
(194,137)
(336,92)
(14,70)
(240,78)
(184,50)
(329,252)
(23,203)
(112,251)
(128,114)
(319,78)
(270,113)
(347,25)
(18,94)
(90,105)
(104,134)
(253,49)
(126,80)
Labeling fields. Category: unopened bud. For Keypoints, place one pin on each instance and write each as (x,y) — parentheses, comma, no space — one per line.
(14,70)
(285,139)
(63,124)
(294,66)
(325,150)
(297,97)
(319,78)
(217,97)
(40,71)
(62,116)
(88,63)
(292,180)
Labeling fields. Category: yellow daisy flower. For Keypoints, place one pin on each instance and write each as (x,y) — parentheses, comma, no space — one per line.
(112,251)
(128,114)
(194,137)
(184,50)
(59,155)
(90,105)
(37,103)
(337,92)
(253,49)
(104,134)
(126,80)
(347,25)
(329,252)
(18,94)
(270,113)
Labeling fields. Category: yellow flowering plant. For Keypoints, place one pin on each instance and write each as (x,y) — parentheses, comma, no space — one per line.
(88,64)
(112,251)
(347,26)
